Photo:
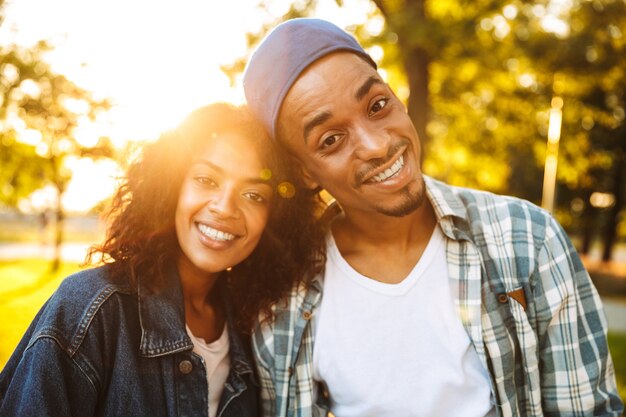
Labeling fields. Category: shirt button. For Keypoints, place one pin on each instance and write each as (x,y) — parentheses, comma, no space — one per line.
(503,298)
(185,367)
(307,315)
(290,370)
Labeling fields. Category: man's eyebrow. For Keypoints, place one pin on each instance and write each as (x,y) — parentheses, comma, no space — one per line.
(365,88)
(316,121)
(250,180)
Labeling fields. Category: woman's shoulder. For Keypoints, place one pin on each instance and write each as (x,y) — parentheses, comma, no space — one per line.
(70,311)
(83,285)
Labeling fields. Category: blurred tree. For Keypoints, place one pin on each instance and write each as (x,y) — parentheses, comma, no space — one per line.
(478,78)
(590,62)
(454,57)
(41,107)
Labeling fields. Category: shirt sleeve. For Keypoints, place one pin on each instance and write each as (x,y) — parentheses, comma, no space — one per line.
(577,373)
(46,382)
(262,345)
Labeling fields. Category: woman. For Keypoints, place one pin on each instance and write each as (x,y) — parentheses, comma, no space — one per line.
(206,233)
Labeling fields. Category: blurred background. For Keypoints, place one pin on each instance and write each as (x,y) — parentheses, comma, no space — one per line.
(525,98)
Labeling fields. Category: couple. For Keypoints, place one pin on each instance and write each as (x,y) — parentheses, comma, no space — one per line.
(225,293)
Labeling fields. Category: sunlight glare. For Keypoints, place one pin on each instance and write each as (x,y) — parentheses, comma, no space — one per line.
(85,191)
(155,61)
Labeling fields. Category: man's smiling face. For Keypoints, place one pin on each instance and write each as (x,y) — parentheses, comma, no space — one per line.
(353,136)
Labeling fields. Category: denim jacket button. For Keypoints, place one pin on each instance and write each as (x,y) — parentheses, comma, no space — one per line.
(185,367)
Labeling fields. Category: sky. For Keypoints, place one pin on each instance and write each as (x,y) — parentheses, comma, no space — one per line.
(156,60)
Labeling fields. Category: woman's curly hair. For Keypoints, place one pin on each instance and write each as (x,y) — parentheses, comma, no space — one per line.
(141,236)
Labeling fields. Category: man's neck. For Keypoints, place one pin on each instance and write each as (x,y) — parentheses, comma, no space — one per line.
(381,247)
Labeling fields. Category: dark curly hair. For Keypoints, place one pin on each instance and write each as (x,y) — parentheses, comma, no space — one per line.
(141,236)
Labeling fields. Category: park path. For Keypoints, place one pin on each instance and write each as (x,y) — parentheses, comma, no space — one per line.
(72,252)
(614,304)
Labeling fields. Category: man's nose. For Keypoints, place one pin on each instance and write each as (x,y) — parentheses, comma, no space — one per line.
(371,143)
(223,203)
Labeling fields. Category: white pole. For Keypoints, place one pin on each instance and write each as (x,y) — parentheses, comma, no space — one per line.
(552,153)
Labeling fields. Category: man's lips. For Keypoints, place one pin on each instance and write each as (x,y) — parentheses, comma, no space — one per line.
(387,169)
(389,172)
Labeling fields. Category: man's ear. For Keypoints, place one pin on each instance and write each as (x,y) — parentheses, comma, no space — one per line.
(308,180)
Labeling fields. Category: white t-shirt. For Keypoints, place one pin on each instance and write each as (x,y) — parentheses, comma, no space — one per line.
(397,349)
(217,363)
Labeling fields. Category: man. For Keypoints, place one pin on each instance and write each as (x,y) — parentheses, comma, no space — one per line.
(434,300)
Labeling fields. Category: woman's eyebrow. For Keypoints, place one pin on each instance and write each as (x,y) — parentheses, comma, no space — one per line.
(252,180)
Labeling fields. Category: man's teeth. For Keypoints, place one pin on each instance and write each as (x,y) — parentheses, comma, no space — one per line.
(215,234)
(389,172)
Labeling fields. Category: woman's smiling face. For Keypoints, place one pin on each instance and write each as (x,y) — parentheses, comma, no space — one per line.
(223,205)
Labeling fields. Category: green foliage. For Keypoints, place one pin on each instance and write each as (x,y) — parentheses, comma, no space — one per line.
(23,171)
(34,98)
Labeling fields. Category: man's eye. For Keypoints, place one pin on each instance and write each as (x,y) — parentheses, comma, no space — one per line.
(378,106)
(330,141)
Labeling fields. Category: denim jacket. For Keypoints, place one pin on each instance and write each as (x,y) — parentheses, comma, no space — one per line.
(103,348)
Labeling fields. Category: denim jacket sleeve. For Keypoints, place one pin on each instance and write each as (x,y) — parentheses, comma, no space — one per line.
(34,389)
(48,374)
(30,383)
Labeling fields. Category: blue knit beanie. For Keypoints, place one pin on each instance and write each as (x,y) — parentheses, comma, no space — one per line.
(283,55)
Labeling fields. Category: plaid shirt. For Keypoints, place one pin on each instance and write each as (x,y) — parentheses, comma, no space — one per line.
(524,298)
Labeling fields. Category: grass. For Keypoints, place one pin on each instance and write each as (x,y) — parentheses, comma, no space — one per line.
(617,346)
(26,284)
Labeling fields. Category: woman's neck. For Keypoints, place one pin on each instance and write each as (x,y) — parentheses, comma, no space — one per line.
(204,312)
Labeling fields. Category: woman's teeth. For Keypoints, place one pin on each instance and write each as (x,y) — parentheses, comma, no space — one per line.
(214,233)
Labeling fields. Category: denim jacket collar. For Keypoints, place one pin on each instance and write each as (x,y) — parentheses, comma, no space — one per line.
(162,316)
(239,358)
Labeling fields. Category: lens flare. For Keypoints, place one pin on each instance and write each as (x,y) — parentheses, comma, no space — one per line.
(266,174)
(286,190)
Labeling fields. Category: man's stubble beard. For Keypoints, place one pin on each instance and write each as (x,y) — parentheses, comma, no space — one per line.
(413,200)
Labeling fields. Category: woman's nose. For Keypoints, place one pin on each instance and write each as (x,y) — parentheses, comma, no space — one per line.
(223,204)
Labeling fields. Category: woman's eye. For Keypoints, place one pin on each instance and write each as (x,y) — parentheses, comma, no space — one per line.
(378,106)
(205,180)
(256,197)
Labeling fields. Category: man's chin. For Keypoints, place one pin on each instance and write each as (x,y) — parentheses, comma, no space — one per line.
(413,198)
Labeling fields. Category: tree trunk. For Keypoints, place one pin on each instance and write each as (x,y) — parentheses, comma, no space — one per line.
(610,231)
(588,229)
(416,67)
(415,59)
(58,235)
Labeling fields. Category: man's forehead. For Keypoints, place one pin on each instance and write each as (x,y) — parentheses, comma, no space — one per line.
(339,72)
(329,65)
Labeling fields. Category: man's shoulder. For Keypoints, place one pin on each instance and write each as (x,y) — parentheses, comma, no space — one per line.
(486,207)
